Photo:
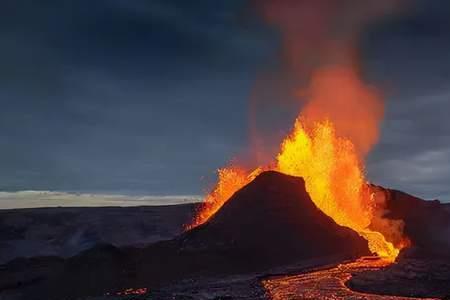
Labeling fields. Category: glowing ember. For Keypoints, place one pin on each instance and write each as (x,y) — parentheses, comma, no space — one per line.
(131,291)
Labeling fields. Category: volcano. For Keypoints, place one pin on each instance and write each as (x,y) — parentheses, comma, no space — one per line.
(273,220)
(269,223)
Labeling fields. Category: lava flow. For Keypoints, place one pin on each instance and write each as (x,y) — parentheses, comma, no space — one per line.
(329,283)
(334,180)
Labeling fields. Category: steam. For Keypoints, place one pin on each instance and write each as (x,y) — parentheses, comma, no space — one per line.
(318,33)
(320,46)
(337,94)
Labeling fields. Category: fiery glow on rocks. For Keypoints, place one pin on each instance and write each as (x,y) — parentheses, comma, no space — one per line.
(132,291)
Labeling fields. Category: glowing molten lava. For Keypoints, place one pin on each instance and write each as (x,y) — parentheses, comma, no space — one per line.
(339,120)
(333,176)
(334,179)
(231,179)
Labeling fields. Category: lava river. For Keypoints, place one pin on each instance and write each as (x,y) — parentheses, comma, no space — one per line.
(326,284)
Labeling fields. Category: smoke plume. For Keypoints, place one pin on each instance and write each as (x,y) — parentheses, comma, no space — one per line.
(320,48)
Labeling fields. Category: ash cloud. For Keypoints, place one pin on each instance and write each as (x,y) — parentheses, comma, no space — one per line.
(321,50)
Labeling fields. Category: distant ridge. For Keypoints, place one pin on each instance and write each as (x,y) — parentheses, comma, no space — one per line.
(36,199)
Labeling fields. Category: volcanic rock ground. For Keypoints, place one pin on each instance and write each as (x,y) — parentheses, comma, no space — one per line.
(66,231)
(263,244)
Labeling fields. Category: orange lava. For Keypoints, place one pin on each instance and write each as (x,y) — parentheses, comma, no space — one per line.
(333,176)
(339,122)
(132,291)
(334,179)
(327,283)
(231,179)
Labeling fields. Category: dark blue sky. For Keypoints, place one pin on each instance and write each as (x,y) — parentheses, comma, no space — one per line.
(152,96)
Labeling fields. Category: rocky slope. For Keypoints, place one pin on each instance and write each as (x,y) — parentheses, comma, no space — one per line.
(65,231)
(269,223)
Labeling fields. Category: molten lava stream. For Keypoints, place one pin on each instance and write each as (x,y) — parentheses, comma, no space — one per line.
(327,283)
(334,179)
(333,176)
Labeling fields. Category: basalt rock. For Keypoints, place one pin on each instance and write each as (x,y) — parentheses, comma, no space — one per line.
(426,223)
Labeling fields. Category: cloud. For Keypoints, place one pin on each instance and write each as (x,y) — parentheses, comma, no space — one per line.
(425,174)
(414,153)
(152,96)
